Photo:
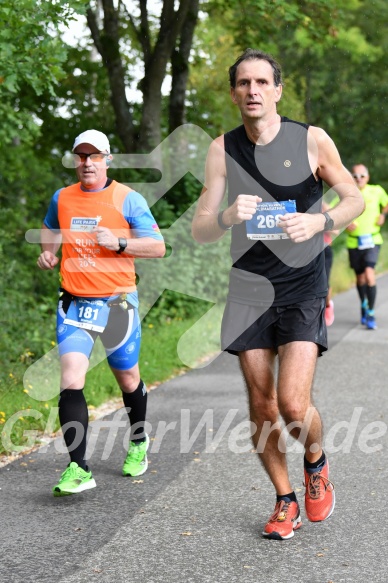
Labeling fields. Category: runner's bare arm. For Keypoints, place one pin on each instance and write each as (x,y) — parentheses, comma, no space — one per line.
(324,157)
(205,228)
(50,243)
(337,177)
(381,218)
(145,247)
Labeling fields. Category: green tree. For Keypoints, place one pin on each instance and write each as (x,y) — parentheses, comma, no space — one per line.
(341,84)
(124,38)
(30,54)
(163,46)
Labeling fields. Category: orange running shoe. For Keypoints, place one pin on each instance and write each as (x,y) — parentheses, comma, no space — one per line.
(319,497)
(283,521)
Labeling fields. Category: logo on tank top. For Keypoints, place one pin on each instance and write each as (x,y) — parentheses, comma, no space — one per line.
(84,224)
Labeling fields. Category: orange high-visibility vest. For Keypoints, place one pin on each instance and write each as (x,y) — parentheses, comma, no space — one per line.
(87,269)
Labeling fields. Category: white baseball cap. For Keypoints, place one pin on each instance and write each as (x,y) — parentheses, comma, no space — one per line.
(94,138)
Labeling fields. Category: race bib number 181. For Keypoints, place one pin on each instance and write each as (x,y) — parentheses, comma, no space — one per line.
(87,313)
(264,223)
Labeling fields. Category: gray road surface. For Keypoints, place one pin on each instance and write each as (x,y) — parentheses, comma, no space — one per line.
(197,514)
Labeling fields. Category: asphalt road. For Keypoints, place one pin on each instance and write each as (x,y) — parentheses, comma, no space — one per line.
(197,514)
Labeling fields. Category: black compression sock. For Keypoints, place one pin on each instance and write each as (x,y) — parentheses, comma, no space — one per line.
(73,416)
(136,406)
(318,465)
(362,292)
(371,295)
(291,497)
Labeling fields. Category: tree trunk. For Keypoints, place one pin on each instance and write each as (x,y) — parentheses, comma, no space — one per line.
(171,23)
(180,68)
(107,44)
(156,58)
(150,131)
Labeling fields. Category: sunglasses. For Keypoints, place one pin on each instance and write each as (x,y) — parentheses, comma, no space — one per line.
(360,175)
(96,157)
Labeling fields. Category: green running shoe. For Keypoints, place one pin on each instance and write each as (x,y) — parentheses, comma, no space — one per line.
(74,480)
(136,462)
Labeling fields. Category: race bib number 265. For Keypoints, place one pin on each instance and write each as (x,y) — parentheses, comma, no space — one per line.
(264,223)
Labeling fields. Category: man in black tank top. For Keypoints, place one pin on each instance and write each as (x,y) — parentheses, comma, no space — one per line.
(273,168)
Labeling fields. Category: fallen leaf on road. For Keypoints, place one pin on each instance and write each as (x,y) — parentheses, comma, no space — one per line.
(187,533)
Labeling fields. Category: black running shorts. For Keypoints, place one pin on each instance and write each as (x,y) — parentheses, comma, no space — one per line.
(249,327)
(359,259)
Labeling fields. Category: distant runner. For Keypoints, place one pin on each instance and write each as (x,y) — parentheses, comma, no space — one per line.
(364,242)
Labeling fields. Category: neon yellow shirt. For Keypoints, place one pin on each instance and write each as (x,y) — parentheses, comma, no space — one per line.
(375,199)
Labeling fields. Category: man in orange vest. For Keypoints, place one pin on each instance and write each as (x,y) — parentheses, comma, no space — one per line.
(102,226)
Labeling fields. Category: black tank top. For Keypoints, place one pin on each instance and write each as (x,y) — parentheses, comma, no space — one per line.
(278,171)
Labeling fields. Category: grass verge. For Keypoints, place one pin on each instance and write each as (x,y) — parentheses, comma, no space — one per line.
(24,420)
